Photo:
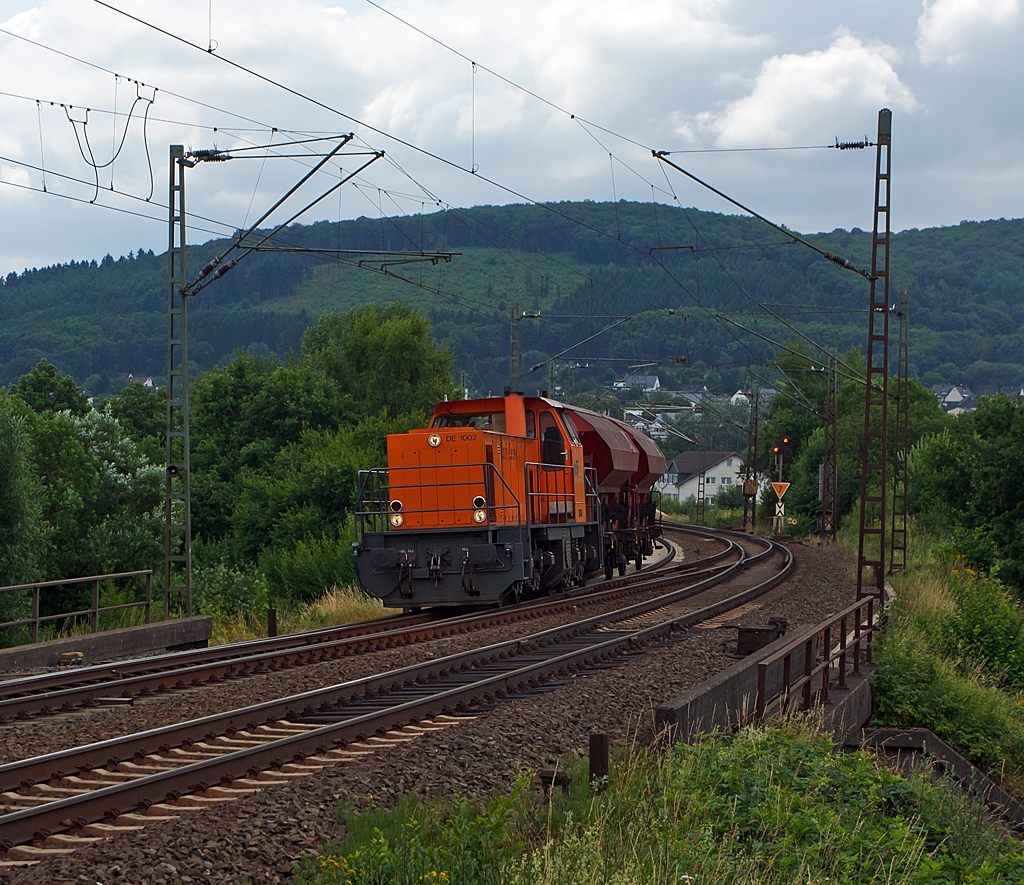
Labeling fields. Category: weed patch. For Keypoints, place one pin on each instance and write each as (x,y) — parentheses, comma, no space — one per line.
(762,806)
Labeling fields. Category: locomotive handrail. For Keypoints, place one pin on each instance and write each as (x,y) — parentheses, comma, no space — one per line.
(560,473)
(377,508)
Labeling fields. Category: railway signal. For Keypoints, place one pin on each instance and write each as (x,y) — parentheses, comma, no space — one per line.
(779,450)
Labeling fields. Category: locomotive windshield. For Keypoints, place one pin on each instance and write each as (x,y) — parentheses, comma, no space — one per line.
(480,420)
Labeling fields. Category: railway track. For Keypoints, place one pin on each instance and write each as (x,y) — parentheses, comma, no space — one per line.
(64,692)
(64,800)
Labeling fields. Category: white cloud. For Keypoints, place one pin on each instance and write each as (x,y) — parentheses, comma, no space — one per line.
(643,68)
(806,98)
(948,29)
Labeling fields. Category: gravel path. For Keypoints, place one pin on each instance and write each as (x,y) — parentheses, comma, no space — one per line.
(256,839)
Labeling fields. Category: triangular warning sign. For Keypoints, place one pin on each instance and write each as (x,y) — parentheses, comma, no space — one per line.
(780,488)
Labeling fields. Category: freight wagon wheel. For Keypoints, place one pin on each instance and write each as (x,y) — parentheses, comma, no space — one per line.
(639,560)
(622,567)
(609,566)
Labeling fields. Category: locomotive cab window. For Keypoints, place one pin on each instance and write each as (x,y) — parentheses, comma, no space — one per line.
(570,427)
(531,424)
(552,444)
(477,420)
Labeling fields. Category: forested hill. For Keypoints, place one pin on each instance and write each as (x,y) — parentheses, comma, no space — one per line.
(590,261)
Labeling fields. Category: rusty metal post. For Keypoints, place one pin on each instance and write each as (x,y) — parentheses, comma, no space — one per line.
(34,626)
(787,677)
(762,690)
(843,653)
(874,450)
(599,767)
(898,542)
(809,657)
(826,653)
(95,613)
(271,622)
(871,627)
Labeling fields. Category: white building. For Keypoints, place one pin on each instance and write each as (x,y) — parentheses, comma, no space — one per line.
(681,477)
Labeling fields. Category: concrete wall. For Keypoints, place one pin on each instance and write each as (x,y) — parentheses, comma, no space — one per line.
(129,642)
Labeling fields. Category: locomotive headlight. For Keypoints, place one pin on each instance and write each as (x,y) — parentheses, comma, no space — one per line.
(479,502)
(480,516)
(396,519)
(396,506)
(434,439)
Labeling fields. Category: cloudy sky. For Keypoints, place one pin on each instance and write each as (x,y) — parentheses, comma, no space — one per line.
(709,80)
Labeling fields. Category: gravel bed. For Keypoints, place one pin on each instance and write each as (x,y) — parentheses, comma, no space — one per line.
(49,734)
(256,839)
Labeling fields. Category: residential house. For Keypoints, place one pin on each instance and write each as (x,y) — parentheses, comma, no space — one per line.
(646,383)
(682,474)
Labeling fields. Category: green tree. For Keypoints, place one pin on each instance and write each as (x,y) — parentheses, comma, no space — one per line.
(98,494)
(142,412)
(383,359)
(244,414)
(790,413)
(47,390)
(23,536)
(969,487)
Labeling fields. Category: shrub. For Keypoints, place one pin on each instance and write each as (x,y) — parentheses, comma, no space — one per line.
(761,807)
(227,593)
(915,686)
(985,627)
(305,571)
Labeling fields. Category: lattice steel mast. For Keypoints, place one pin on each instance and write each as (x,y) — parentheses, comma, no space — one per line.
(828,481)
(898,545)
(701,479)
(177,479)
(750,483)
(873,479)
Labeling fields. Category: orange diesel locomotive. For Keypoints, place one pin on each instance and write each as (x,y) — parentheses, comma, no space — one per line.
(505,497)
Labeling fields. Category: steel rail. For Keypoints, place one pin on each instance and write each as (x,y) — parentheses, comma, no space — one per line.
(176,660)
(61,763)
(60,814)
(169,672)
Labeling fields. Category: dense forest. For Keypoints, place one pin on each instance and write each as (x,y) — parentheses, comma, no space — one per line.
(579,264)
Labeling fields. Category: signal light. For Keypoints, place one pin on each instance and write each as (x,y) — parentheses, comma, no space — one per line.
(782,445)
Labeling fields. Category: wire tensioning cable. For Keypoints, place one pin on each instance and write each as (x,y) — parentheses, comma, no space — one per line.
(831,256)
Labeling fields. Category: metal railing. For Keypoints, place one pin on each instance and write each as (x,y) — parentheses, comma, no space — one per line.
(550,493)
(94,611)
(810,664)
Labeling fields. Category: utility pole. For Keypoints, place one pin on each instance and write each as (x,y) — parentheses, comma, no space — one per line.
(515,354)
(750,484)
(701,496)
(898,545)
(177,478)
(828,480)
(874,451)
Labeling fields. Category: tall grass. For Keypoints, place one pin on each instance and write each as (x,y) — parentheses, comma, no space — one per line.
(339,605)
(762,807)
(950,661)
